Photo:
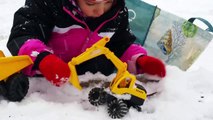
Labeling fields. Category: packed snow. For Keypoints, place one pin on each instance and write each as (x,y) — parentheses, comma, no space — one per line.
(183,95)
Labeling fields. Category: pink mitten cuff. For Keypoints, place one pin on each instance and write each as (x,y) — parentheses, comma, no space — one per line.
(32,47)
(130,56)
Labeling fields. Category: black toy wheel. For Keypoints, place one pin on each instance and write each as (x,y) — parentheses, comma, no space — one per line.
(117,109)
(17,87)
(97,96)
(3,90)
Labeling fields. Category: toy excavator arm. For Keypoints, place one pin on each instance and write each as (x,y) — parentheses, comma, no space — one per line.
(96,50)
(13,64)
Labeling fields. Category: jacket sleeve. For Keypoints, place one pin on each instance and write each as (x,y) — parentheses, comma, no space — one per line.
(131,55)
(122,38)
(33,21)
(123,43)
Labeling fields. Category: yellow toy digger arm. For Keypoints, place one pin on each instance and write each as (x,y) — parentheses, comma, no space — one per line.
(13,64)
(92,52)
(96,50)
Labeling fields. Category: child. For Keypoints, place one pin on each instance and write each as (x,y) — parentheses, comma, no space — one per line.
(52,32)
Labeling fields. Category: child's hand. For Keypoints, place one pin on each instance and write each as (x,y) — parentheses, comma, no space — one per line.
(54,69)
(151,66)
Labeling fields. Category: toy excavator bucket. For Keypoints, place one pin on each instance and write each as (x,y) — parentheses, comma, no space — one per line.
(73,75)
(13,64)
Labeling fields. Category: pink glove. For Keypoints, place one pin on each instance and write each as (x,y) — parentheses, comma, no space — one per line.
(151,66)
(53,68)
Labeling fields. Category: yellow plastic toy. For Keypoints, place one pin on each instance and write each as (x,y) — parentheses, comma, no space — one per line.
(122,84)
(13,64)
(1,54)
(13,84)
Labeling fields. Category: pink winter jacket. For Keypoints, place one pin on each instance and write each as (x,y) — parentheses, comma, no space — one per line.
(64,45)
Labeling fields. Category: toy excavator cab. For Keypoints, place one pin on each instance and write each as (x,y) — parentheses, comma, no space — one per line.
(122,84)
(13,84)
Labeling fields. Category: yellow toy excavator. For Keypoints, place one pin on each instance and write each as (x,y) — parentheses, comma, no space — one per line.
(123,92)
(13,84)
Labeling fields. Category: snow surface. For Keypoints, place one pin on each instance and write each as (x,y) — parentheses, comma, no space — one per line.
(184,96)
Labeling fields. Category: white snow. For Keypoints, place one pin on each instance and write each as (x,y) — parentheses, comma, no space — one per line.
(185,95)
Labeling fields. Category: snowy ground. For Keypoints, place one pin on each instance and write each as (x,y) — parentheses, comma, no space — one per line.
(185,95)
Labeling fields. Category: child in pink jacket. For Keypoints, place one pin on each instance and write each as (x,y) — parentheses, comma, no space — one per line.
(52,32)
